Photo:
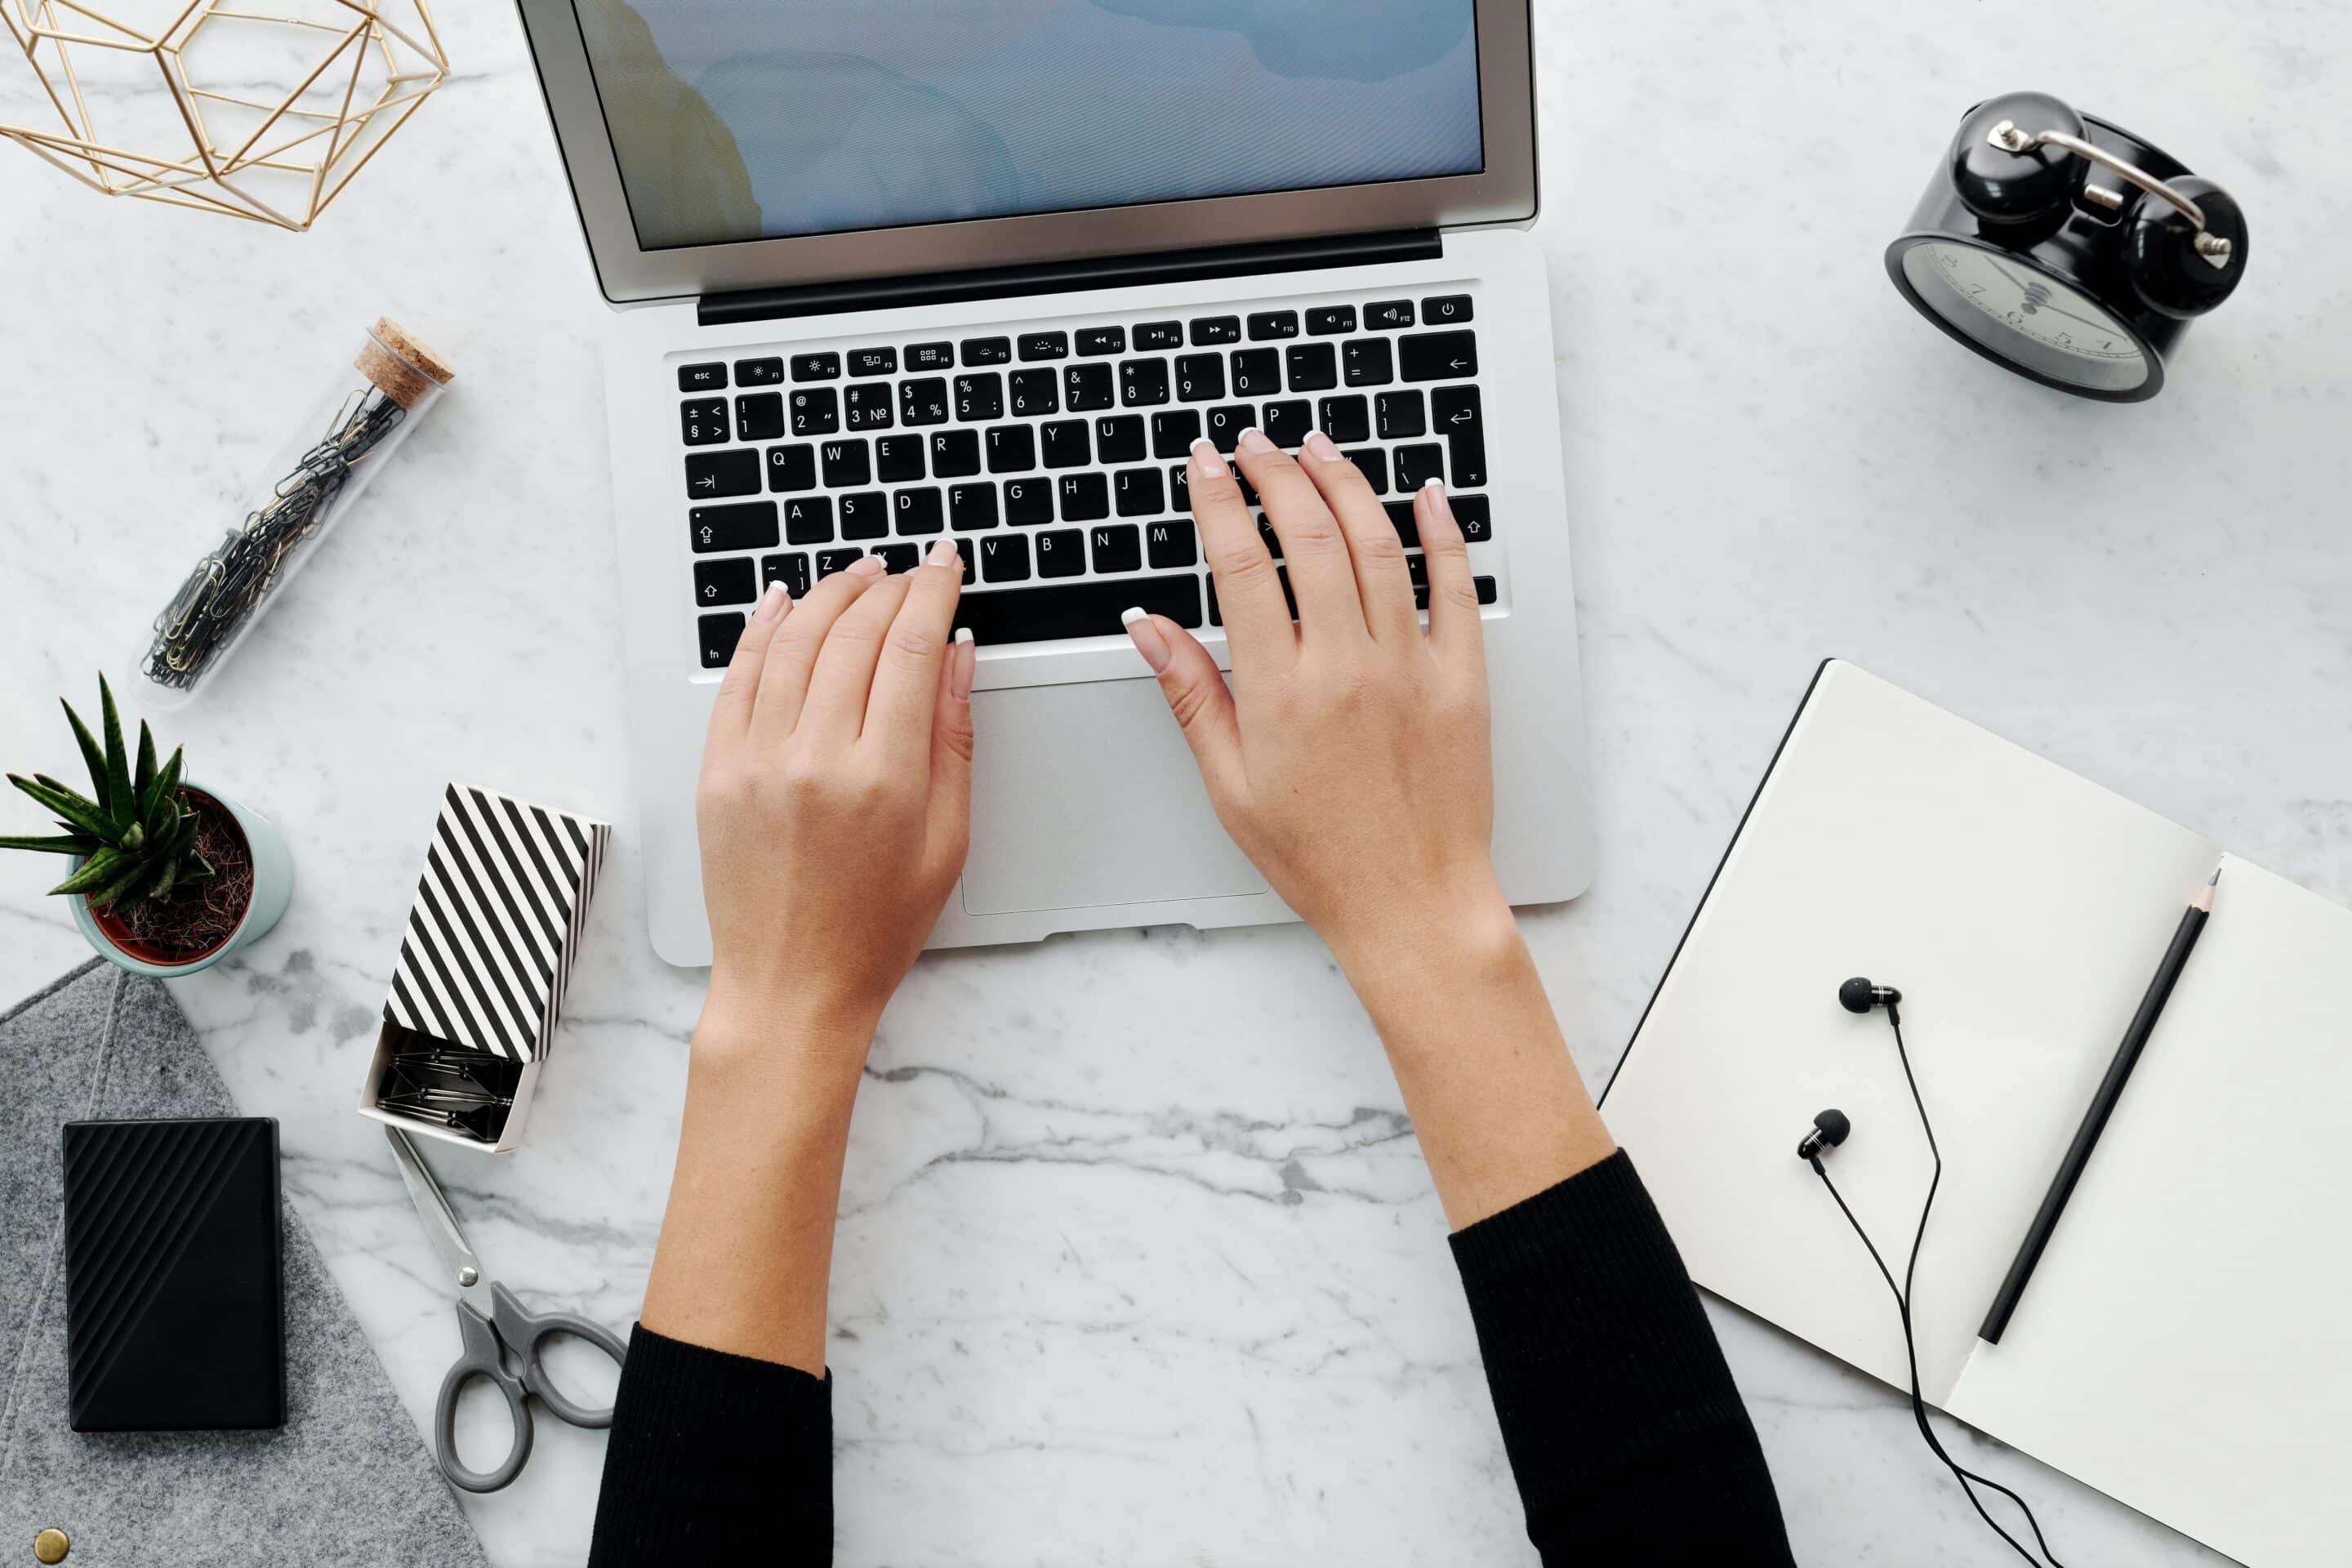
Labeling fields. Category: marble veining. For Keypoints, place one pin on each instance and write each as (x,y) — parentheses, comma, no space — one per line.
(1138,1262)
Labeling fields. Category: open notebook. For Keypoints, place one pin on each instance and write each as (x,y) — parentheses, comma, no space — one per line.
(2183,1345)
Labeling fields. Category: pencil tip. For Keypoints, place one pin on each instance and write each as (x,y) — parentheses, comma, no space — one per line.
(2217,878)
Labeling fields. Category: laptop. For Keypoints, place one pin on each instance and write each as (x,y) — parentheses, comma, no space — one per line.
(887,271)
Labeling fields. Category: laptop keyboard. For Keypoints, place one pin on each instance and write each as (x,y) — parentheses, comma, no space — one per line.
(1056,455)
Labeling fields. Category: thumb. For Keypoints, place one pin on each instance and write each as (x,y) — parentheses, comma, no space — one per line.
(1197,695)
(949,823)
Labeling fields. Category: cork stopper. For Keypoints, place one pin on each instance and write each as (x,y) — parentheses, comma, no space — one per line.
(405,368)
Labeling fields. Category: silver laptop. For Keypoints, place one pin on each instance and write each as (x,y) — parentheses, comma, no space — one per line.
(887,271)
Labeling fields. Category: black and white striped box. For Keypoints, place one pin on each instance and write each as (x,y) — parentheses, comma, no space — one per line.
(489,943)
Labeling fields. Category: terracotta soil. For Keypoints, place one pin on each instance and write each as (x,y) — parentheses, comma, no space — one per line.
(193,921)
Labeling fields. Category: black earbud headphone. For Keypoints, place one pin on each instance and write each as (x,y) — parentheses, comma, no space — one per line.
(1832,1127)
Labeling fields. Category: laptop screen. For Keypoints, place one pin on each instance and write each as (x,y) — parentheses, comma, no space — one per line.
(743,120)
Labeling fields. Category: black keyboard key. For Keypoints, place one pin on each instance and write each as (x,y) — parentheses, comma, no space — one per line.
(1367,362)
(1180,489)
(1065,444)
(954,454)
(980,396)
(1445,310)
(1375,464)
(1083,497)
(930,356)
(1171,545)
(719,530)
(1313,367)
(1036,391)
(1138,492)
(1388,315)
(759,372)
(816,367)
(1226,424)
(873,362)
(1011,449)
(898,558)
(829,561)
(817,411)
(917,511)
(963,549)
(1476,516)
(1143,382)
(1118,438)
(1200,378)
(1087,387)
(1347,420)
(703,422)
(1174,431)
(987,351)
(791,571)
(1459,416)
(1044,345)
(1408,527)
(702,378)
(1077,609)
(1216,330)
(1287,425)
(897,459)
(792,468)
(1416,572)
(1117,549)
(1160,335)
(1417,464)
(1439,356)
(719,635)
(1401,414)
(1257,372)
(724,582)
(1062,553)
(1096,342)
(1268,326)
(808,520)
(869,407)
(865,514)
(760,417)
(1486,587)
(1241,482)
(712,475)
(1329,320)
(1271,539)
(971,507)
(1028,502)
(846,463)
(923,402)
(1005,559)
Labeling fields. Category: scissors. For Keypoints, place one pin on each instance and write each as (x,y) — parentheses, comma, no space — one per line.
(496,1335)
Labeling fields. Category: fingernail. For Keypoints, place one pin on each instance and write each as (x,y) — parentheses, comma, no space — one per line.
(1254,441)
(868,566)
(1434,485)
(1206,463)
(772,603)
(967,661)
(945,553)
(1322,446)
(1146,638)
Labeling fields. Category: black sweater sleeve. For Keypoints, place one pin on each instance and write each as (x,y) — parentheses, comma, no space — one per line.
(1623,1428)
(1619,1414)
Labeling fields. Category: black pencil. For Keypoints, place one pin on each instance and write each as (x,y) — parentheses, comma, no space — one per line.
(2103,1105)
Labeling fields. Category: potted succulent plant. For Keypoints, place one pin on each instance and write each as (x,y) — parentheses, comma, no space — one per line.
(169,876)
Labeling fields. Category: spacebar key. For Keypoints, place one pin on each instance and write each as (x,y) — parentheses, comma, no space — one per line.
(1077,610)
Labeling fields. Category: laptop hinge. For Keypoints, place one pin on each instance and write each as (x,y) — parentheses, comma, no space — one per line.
(1063,276)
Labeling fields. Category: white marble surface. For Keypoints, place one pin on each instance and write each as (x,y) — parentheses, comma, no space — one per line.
(1138,1262)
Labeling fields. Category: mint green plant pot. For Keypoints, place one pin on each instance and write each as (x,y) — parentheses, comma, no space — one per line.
(273,884)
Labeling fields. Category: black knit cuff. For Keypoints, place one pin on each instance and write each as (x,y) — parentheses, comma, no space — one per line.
(715,1458)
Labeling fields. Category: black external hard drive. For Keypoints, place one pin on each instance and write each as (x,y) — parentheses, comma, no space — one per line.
(174,1306)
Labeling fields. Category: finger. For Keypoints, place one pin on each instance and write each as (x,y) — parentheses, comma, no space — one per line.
(1198,696)
(1249,595)
(1383,583)
(907,678)
(730,713)
(1456,632)
(949,819)
(1321,574)
(843,681)
(792,653)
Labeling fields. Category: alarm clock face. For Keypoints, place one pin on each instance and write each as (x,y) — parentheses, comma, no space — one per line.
(2026,316)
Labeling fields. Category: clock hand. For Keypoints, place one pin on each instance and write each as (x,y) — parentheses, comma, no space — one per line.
(2005,272)
(2070,315)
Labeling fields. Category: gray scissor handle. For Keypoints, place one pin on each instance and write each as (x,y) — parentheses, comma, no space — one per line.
(479,1356)
(526,1333)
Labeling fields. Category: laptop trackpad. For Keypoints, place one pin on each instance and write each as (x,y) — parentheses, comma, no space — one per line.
(1086,795)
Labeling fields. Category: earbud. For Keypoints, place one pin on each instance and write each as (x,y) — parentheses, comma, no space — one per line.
(1830,1129)
(1859,996)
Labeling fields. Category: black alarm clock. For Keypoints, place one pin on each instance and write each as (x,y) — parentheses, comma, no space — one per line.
(2025,249)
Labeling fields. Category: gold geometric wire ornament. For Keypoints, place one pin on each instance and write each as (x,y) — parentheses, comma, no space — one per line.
(261,114)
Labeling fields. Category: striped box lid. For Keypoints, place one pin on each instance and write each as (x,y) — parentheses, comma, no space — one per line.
(499,913)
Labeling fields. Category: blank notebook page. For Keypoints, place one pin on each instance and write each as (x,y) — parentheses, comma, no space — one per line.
(2184,1344)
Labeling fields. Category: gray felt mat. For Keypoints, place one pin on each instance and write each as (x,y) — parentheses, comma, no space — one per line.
(346,1480)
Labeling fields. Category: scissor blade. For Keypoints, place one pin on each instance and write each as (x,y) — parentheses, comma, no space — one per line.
(465,1270)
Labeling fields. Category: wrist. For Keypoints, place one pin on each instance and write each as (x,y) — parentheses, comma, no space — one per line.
(1428,941)
(782,1052)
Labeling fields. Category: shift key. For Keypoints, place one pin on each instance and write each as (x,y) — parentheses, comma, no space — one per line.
(715,529)
(713,476)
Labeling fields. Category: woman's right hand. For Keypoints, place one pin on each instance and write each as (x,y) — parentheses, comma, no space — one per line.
(1349,759)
